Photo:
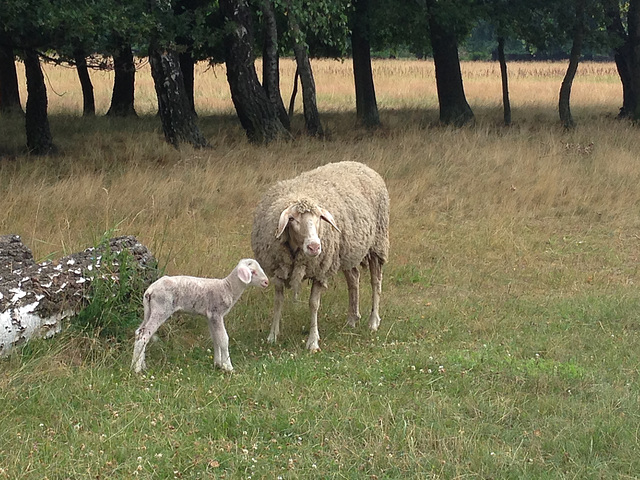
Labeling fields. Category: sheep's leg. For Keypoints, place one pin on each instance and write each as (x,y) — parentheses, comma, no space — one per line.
(314,306)
(278,301)
(220,340)
(153,321)
(375,268)
(353,284)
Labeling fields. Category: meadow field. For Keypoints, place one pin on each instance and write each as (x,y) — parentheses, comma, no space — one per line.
(510,310)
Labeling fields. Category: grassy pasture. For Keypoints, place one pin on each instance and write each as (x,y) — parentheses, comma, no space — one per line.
(510,312)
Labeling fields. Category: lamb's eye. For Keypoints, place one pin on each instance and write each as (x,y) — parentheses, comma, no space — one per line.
(253,272)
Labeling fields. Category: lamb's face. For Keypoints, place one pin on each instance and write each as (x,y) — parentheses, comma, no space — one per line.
(304,228)
(258,277)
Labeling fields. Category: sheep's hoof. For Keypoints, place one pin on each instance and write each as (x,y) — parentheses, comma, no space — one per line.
(315,350)
(271,339)
(312,345)
(374,322)
(352,320)
(227,368)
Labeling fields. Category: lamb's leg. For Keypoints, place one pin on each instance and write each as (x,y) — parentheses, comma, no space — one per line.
(278,300)
(153,320)
(353,284)
(220,340)
(314,305)
(375,268)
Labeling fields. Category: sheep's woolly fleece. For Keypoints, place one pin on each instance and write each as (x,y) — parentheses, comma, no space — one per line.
(357,198)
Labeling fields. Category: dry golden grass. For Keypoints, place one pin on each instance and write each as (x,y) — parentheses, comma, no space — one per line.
(510,188)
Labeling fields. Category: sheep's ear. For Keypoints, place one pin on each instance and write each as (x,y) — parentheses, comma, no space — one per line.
(327,217)
(244,274)
(284,221)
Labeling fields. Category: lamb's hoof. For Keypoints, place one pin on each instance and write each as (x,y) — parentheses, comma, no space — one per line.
(272,339)
(138,368)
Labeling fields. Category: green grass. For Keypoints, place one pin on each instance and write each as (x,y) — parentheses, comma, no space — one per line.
(487,387)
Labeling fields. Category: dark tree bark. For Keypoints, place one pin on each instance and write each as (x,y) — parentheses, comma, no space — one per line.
(176,111)
(574,59)
(271,62)
(185,42)
(187,67)
(294,93)
(39,139)
(256,113)
(622,57)
(633,21)
(124,83)
(88,99)
(506,104)
(454,109)
(9,93)
(309,103)
(366,105)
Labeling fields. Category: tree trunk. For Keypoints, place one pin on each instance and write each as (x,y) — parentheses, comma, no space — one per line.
(622,56)
(256,113)
(39,140)
(309,104)
(634,56)
(9,93)
(124,83)
(454,109)
(176,112)
(294,93)
(506,104)
(366,105)
(88,100)
(574,58)
(187,67)
(271,63)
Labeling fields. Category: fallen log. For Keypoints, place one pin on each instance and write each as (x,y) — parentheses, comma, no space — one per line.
(36,298)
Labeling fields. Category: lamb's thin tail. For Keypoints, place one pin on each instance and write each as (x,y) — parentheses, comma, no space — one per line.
(146,303)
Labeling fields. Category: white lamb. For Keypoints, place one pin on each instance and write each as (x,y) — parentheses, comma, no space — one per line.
(212,297)
(332,218)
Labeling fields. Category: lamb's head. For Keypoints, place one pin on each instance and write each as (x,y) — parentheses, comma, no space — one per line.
(250,272)
(303,220)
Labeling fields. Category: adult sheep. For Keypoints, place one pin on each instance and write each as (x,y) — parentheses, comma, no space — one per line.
(335,217)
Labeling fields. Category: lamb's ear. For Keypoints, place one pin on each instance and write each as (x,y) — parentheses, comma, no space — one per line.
(244,274)
(284,221)
(327,217)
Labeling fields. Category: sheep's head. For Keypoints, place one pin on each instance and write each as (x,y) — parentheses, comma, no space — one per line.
(303,219)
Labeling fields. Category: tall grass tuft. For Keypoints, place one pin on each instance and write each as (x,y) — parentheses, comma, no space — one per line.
(114,301)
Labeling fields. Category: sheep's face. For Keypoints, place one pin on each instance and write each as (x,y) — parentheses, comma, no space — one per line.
(304,225)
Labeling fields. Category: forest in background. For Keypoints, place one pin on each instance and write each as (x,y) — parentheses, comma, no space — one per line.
(173,36)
